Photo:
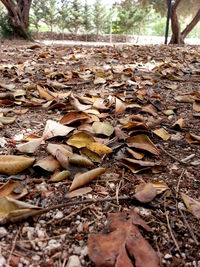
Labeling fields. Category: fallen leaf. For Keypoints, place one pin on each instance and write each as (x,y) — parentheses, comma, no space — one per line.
(11,164)
(145,193)
(135,154)
(196,106)
(74,116)
(178,124)
(99,80)
(99,149)
(122,244)
(53,129)
(120,107)
(7,120)
(192,138)
(31,146)
(138,165)
(103,128)
(192,205)
(48,164)
(149,109)
(80,160)
(75,103)
(10,208)
(52,149)
(59,176)
(79,192)
(143,142)
(81,179)
(80,139)
(10,189)
(162,133)
(62,157)
(91,155)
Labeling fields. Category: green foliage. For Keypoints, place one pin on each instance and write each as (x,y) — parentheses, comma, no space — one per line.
(6,28)
(63,15)
(49,12)
(99,17)
(36,14)
(75,16)
(87,18)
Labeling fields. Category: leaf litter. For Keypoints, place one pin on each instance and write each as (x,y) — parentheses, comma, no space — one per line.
(117,124)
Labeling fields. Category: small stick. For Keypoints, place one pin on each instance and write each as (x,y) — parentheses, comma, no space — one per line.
(13,246)
(179,180)
(170,229)
(171,156)
(189,228)
(71,203)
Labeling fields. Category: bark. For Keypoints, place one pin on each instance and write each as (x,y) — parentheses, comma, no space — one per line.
(18,14)
(178,36)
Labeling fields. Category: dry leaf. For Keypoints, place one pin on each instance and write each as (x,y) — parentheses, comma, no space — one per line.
(48,164)
(178,124)
(75,103)
(149,109)
(52,148)
(138,165)
(59,176)
(192,205)
(103,128)
(80,160)
(120,107)
(135,154)
(81,179)
(99,149)
(44,94)
(79,192)
(7,120)
(11,164)
(10,208)
(192,138)
(53,129)
(31,146)
(73,116)
(162,133)
(91,155)
(122,244)
(63,157)
(80,139)
(196,106)
(143,142)
(145,193)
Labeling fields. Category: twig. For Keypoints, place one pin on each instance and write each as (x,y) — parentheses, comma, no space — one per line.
(170,230)
(189,228)
(71,203)
(13,246)
(171,156)
(179,180)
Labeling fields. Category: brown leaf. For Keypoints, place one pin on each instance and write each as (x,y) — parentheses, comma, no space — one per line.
(74,116)
(144,143)
(81,179)
(10,208)
(79,192)
(192,138)
(31,146)
(11,164)
(123,244)
(80,160)
(80,139)
(162,133)
(145,193)
(135,154)
(178,124)
(52,149)
(138,165)
(192,205)
(103,128)
(59,176)
(53,129)
(149,109)
(120,107)
(48,164)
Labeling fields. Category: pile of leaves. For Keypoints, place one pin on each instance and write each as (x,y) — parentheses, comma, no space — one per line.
(104,132)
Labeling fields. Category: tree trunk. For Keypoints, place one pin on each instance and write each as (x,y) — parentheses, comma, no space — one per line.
(178,36)
(18,14)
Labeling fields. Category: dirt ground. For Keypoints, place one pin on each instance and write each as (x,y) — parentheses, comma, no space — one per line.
(157,87)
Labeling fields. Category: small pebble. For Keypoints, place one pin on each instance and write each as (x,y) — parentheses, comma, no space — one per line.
(59,215)
(73,261)
(167,256)
(3,232)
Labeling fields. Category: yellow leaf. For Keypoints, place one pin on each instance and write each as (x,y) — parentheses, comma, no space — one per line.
(162,133)
(103,128)
(80,139)
(98,148)
(59,176)
(11,164)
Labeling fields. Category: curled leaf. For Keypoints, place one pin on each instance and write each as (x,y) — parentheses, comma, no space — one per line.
(81,179)
(80,160)
(192,205)
(48,164)
(11,164)
(54,128)
(162,133)
(31,146)
(59,176)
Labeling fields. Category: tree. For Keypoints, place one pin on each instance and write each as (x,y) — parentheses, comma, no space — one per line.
(180,8)
(18,14)
(49,13)
(178,36)
(99,17)
(87,18)
(63,16)
(35,15)
(75,16)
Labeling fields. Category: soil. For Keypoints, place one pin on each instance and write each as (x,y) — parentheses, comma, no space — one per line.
(146,74)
